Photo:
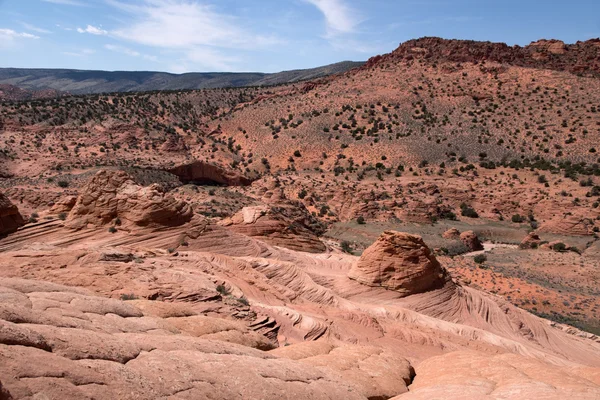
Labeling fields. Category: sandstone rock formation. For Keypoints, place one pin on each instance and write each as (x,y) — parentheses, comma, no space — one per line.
(531,241)
(451,233)
(471,376)
(470,239)
(287,225)
(10,218)
(64,205)
(63,343)
(112,197)
(400,262)
(581,57)
(568,225)
(204,173)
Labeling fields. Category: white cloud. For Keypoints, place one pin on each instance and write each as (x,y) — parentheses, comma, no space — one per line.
(339,17)
(66,2)
(8,37)
(93,30)
(80,53)
(129,52)
(198,31)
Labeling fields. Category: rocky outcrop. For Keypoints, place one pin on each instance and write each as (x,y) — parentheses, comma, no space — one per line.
(10,218)
(470,239)
(64,205)
(204,173)
(112,197)
(531,241)
(581,57)
(452,233)
(401,262)
(288,225)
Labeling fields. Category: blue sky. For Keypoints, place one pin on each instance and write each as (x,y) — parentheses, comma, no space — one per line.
(264,35)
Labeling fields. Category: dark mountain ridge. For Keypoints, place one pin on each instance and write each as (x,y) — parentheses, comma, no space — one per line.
(89,82)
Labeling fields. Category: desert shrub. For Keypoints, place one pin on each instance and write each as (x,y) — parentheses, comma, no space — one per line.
(222,290)
(448,215)
(360,220)
(346,247)
(467,211)
(129,296)
(302,194)
(559,246)
(243,301)
(456,248)
(112,229)
(480,258)
(517,218)
(63,184)
(62,216)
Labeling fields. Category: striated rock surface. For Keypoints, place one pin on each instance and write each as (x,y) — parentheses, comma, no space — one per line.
(470,239)
(204,173)
(58,342)
(468,375)
(64,205)
(10,218)
(401,262)
(568,225)
(287,225)
(375,372)
(113,197)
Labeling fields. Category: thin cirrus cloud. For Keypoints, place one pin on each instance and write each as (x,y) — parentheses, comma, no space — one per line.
(198,33)
(66,2)
(340,18)
(81,53)
(34,28)
(93,30)
(129,52)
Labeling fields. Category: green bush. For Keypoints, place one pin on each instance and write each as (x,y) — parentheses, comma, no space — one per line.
(559,247)
(469,212)
(346,247)
(480,258)
(517,218)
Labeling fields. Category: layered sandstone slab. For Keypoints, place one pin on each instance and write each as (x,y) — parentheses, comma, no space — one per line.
(401,262)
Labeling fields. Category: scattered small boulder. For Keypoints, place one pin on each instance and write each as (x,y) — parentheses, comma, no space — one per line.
(452,234)
(470,239)
(531,241)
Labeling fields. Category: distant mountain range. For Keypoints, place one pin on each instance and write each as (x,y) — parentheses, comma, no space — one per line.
(88,82)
